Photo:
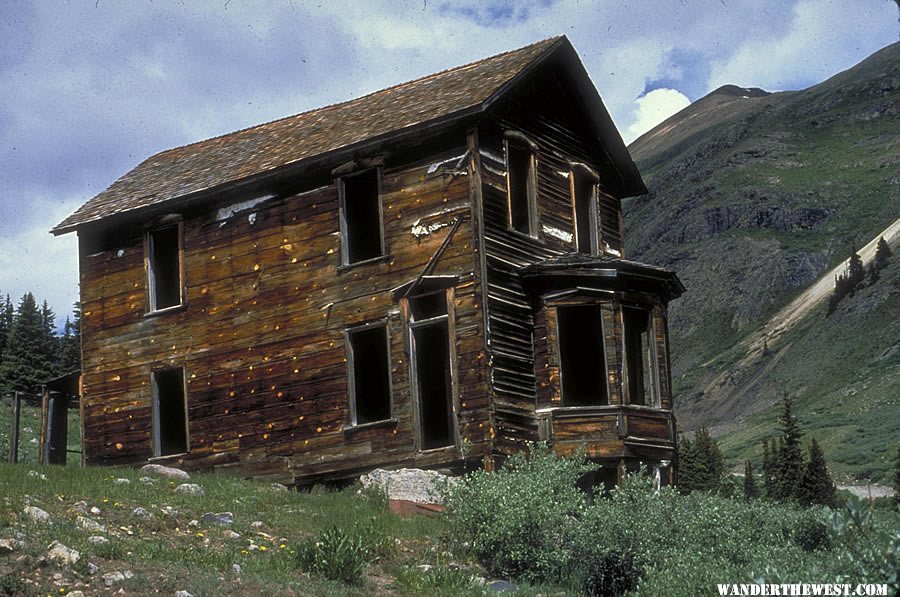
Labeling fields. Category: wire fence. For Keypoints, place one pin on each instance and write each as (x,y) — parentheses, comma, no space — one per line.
(24,428)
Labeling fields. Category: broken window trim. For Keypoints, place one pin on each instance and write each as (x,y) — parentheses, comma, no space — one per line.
(581,169)
(410,326)
(531,185)
(584,303)
(351,373)
(154,414)
(161,223)
(342,216)
(651,359)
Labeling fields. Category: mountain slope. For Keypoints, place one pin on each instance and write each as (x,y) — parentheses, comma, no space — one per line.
(754,197)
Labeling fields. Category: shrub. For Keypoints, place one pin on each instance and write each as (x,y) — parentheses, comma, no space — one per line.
(335,555)
(610,575)
(812,535)
(519,520)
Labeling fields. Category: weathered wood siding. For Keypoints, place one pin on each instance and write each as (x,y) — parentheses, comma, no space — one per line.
(542,111)
(261,337)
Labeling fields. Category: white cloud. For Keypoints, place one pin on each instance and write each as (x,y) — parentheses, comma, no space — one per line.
(652,108)
(31,260)
(823,39)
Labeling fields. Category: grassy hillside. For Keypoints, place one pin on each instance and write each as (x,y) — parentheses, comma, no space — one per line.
(753,197)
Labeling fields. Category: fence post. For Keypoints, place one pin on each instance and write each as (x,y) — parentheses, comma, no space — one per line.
(14,431)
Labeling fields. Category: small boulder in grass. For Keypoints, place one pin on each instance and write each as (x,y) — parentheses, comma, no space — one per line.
(220,518)
(121,481)
(36,514)
(165,471)
(279,487)
(9,545)
(141,513)
(189,489)
(62,555)
(86,524)
(182,594)
(98,540)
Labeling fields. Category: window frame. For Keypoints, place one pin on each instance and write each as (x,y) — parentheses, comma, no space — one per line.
(342,210)
(650,360)
(531,183)
(411,326)
(150,271)
(585,171)
(156,439)
(351,370)
(562,399)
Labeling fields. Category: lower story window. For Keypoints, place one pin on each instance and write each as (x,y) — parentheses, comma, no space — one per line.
(581,357)
(170,429)
(370,367)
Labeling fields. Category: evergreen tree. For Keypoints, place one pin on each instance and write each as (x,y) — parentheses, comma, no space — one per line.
(751,491)
(817,486)
(709,454)
(690,467)
(856,273)
(882,254)
(897,478)
(49,340)
(70,343)
(768,469)
(26,362)
(789,463)
(6,317)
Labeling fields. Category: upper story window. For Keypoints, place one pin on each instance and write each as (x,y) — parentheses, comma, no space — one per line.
(368,352)
(521,183)
(585,208)
(361,226)
(165,267)
(640,357)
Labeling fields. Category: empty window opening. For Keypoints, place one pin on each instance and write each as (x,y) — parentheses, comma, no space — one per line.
(639,356)
(522,183)
(581,356)
(164,267)
(430,333)
(584,199)
(370,366)
(170,432)
(361,217)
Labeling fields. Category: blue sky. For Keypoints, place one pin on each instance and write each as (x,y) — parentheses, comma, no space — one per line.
(88,89)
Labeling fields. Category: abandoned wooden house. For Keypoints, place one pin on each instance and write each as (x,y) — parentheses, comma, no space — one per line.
(428,275)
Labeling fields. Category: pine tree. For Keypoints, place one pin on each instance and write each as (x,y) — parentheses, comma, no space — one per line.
(26,362)
(897,478)
(882,254)
(6,317)
(856,273)
(768,469)
(817,486)
(789,463)
(70,343)
(49,341)
(713,463)
(751,491)
(689,466)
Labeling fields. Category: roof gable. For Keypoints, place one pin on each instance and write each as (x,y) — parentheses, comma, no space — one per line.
(215,163)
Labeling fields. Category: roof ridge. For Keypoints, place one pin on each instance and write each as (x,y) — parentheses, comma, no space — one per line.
(549,41)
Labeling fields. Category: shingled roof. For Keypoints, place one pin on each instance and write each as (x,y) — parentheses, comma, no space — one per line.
(215,163)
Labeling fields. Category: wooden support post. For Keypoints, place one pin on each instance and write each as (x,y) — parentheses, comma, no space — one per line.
(14,430)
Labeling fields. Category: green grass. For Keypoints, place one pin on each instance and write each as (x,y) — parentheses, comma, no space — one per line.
(169,553)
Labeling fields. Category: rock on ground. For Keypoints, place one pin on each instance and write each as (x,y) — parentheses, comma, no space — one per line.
(9,545)
(98,540)
(165,471)
(221,518)
(182,594)
(36,514)
(408,484)
(141,513)
(62,555)
(189,489)
(86,524)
